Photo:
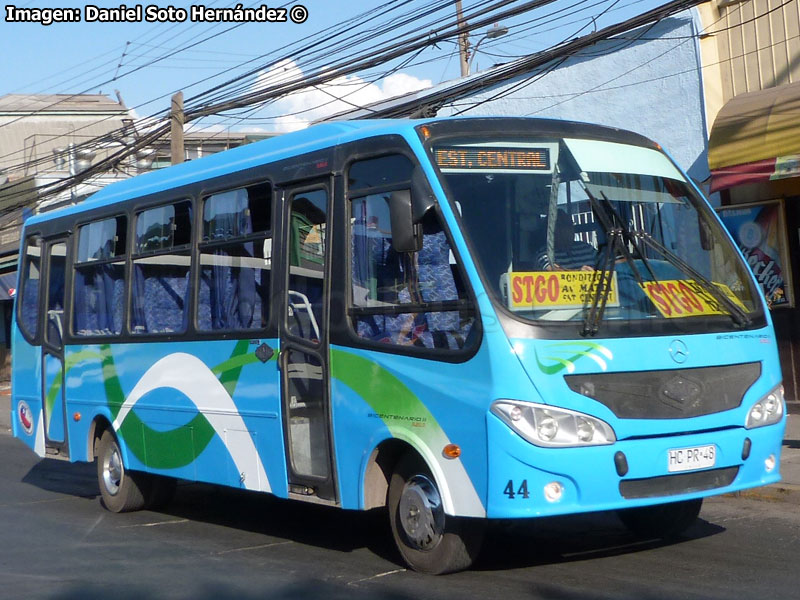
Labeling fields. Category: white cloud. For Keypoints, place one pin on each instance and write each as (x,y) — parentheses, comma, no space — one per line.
(300,108)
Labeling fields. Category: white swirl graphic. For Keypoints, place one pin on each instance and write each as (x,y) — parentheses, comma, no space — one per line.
(190,376)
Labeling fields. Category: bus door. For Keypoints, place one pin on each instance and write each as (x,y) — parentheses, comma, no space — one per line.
(305,370)
(54,407)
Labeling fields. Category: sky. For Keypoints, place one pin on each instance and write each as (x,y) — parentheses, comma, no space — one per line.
(147,62)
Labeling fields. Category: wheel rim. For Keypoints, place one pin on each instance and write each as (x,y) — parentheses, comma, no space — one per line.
(421,513)
(112,471)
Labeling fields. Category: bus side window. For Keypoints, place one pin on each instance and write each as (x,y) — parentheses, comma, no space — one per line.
(99,287)
(383,279)
(161,265)
(30,279)
(236,260)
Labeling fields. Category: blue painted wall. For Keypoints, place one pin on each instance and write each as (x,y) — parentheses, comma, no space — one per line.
(649,82)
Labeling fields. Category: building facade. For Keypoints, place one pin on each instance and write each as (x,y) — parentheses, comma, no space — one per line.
(43,140)
(46,139)
(751,77)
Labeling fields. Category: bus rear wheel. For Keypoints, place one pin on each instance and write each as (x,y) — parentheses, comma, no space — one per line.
(429,541)
(121,490)
(661,520)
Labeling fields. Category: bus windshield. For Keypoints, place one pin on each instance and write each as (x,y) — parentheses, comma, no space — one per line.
(592,231)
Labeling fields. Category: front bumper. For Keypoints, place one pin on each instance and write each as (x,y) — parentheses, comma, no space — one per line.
(519,471)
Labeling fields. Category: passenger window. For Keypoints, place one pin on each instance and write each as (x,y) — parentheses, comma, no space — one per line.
(99,289)
(236,260)
(405,299)
(161,263)
(30,279)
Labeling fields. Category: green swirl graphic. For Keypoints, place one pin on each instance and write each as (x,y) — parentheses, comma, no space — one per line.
(389,398)
(169,449)
(578,350)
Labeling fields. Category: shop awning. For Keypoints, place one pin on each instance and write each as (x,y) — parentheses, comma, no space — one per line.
(756,137)
(768,169)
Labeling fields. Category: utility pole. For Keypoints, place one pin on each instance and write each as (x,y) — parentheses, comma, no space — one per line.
(176,133)
(463,41)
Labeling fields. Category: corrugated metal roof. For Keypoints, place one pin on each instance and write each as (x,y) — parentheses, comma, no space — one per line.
(756,53)
(59,103)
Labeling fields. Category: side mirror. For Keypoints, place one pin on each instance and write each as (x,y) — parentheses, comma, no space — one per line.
(421,196)
(406,233)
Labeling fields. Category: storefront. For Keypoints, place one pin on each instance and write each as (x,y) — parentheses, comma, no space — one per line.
(754,157)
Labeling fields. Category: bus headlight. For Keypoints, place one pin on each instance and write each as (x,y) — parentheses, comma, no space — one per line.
(553,427)
(766,411)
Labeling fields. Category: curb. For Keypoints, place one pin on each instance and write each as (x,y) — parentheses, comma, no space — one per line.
(778,492)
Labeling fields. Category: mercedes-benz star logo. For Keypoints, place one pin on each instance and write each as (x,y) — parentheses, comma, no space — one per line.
(678,351)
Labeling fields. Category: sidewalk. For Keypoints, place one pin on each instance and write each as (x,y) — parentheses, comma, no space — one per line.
(787,490)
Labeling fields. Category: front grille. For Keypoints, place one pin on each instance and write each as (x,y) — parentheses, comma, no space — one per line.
(683,483)
(670,394)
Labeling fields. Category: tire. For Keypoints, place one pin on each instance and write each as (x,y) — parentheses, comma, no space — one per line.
(661,520)
(429,541)
(121,490)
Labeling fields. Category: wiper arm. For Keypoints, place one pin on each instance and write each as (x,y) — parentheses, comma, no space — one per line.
(621,238)
(629,239)
(738,315)
(591,322)
(617,238)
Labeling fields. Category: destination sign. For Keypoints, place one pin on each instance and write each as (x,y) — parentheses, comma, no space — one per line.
(687,298)
(537,290)
(489,158)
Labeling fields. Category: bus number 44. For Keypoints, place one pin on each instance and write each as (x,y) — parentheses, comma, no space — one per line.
(522,490)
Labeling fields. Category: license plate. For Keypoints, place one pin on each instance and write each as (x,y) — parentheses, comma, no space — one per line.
(689,459)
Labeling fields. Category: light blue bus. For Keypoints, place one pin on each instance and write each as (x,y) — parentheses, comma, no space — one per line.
(455,319)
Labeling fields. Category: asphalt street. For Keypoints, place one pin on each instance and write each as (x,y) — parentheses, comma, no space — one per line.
(58,542)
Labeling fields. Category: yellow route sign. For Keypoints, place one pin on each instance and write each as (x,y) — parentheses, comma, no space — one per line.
(536,290)
(686,298)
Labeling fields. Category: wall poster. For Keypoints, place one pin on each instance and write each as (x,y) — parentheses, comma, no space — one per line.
(759,231)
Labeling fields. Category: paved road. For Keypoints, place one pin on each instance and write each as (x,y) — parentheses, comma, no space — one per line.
(57,542)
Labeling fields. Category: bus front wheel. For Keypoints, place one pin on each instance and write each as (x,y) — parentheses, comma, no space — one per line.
(121,490)
(429,541)
(661,520)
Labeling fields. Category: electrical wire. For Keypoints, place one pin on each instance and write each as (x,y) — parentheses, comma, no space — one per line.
(223,102)
(116,156)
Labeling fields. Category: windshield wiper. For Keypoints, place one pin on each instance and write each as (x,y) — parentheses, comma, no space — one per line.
(621,237)
(617,239)
(738,314)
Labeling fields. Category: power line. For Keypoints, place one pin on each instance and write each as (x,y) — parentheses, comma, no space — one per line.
(142,122)
(219,100)
(115,157)
(601,86)
(533,61)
